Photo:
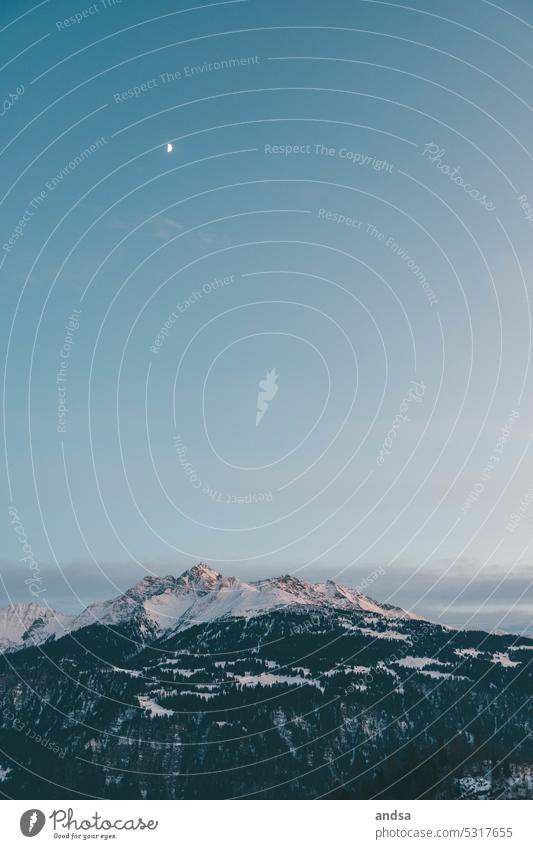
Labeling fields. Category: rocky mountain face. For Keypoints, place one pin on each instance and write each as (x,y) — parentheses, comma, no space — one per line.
(204,686)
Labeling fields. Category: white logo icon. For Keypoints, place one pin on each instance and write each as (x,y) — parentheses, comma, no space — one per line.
(267,389)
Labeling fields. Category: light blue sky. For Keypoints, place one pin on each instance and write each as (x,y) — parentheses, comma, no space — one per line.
(130,232)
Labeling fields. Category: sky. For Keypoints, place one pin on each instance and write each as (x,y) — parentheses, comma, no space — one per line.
(340,234)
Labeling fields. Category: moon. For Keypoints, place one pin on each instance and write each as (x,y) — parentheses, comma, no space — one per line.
(169,148)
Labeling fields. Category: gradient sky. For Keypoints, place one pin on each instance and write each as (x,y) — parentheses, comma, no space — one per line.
(160,452)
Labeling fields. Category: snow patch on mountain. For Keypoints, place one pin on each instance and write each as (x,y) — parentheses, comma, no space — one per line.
(419,662)
(268,679)
(383,635)
(467,652)
(504,660)
(155,710)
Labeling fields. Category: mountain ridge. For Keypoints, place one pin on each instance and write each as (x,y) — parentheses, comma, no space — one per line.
(172,603)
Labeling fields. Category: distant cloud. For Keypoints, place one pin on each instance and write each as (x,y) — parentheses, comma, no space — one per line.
(441,596)
(168,227)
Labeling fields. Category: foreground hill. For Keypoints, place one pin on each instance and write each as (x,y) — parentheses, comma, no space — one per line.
(203,686)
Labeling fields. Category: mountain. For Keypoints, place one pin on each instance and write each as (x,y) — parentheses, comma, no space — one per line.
(159,605)
(29,624)
(204,686)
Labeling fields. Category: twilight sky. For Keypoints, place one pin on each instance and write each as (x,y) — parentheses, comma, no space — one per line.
(348,206)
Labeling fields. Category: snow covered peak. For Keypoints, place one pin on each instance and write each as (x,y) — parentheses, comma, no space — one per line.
(290,590)
(149,586)
(198,578)
(30,624)
(202,577)
(203,572)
